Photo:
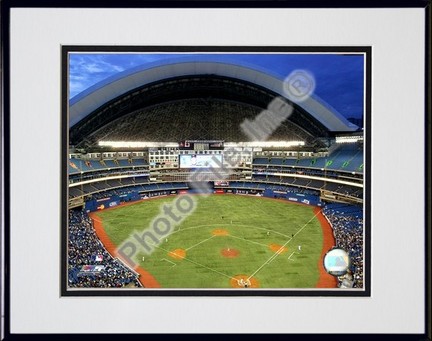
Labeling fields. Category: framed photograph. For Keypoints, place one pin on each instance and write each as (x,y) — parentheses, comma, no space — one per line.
(256,177)
(220,160)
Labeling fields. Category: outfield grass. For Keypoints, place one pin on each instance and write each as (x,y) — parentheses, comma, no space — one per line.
(252,223)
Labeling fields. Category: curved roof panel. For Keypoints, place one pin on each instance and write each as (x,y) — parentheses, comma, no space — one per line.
(107,90)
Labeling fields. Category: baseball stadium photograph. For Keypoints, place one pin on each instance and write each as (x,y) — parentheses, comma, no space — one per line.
(215,171)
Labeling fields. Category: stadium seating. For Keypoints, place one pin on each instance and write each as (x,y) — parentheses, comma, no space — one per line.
(300,182)
(85,250)
(73,168)
(123,163)
(345,157)
(260,161)
(139,162)
(141,180)
(110,164)
(305,162)
(77,165)
(276,161)
(75,192)
(127,181)
(290,162)
(347,223)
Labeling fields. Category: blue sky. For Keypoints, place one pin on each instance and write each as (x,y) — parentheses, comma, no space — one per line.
(339,78)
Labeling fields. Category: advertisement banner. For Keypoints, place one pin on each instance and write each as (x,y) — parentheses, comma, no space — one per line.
(90,270)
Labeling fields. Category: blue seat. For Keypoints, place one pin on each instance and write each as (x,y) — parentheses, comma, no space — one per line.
(260,161)
(110,164)
(124,163)
(276,161)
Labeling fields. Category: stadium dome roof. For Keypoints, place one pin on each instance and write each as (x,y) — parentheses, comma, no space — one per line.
(90,100)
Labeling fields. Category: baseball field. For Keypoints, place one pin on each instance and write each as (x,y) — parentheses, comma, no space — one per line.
(229,241)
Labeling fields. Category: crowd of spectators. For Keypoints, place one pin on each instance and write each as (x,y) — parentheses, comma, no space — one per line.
(84,250)
(347,224)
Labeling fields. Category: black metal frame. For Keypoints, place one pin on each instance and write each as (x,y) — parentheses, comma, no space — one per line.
(7,5)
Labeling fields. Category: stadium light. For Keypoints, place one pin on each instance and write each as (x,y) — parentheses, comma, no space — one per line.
(135,144)
(142,144)
(265,144)
(348,139)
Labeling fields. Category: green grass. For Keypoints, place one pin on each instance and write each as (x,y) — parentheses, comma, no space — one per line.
(247,219)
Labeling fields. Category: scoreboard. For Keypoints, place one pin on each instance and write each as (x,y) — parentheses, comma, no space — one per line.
(201,145)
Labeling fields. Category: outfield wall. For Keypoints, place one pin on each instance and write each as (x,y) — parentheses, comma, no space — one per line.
(100,204)
(115,200)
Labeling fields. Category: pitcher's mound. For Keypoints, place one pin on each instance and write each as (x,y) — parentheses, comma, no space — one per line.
(243,281)
(230,253)
(278,248)
(220,232)
(177,254)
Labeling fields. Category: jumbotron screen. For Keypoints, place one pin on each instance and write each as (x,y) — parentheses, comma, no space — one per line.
(200,161)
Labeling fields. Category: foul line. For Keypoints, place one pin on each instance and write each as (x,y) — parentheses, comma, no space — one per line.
(199,243)
(167,260)
(289,258)
(279,251)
